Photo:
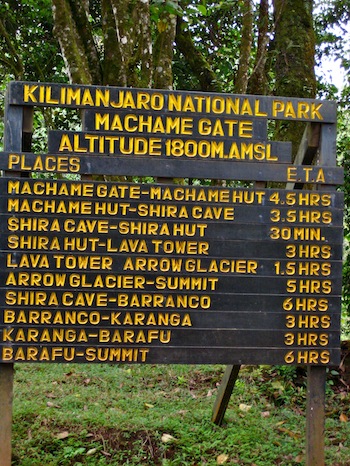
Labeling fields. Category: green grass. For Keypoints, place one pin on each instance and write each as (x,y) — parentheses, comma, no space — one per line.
(104,415)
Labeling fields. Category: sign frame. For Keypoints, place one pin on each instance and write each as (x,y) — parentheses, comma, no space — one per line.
(18,159)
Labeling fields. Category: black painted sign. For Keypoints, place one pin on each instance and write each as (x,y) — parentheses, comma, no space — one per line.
(147,273)
(96,271)
(173,168)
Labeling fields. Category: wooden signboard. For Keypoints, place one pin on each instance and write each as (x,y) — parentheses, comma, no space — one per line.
(169,274)
(97,271)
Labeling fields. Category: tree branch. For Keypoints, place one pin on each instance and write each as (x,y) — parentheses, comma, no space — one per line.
(258,81)
(83,28)
(114,72)
(195,59)
(133,32)
(16,62)
(245,48)
(163,51)
(70,42)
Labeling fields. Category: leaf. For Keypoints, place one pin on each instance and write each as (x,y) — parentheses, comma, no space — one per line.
(202,10)
(62,435)
(166,438)
(162,25)
(245,408)
(149,406)
(280,423)
(265,414)
(221,459)
(92,451)
(49,404)
(289,432)
(277,385)
(343,418)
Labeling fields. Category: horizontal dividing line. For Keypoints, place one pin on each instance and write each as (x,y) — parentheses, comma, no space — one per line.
(217,294)
(234,235)
(156,167)
(231,309)
(161,224)
(23,316)
(174,330)
(168,348)
(49,290)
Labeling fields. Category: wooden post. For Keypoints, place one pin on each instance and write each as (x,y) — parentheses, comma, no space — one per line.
(6,390)
(17,137)
(316,375)
(224,394)
(316,381)
(12,141)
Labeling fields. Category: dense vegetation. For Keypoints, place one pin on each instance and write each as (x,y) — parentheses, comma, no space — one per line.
(100,415)
(239,46)
(259,47)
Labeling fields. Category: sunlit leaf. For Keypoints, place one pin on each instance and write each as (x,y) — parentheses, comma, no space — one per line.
(221,459)
(202,10)
(245,408)
(167,438)
(92,451)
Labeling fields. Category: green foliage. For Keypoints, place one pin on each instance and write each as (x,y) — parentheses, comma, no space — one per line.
(34,52)
(159,7)
(101,415)
(216,30)
(331,23)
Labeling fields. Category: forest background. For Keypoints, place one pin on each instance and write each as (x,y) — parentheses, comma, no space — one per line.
(266,47)
(296,48)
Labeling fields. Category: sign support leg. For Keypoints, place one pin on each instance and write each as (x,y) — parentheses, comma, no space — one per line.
(6,384)
(316,385)
(224,393)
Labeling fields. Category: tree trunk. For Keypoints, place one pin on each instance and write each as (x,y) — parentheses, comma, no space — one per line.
(196,61)
(245,48)
(258,80)
(163,51)
(294,50)
(71,42)
(126,48)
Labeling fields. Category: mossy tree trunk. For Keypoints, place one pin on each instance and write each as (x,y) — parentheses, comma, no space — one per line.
(258,82)
(242,77)
(294,59)
(126,52)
